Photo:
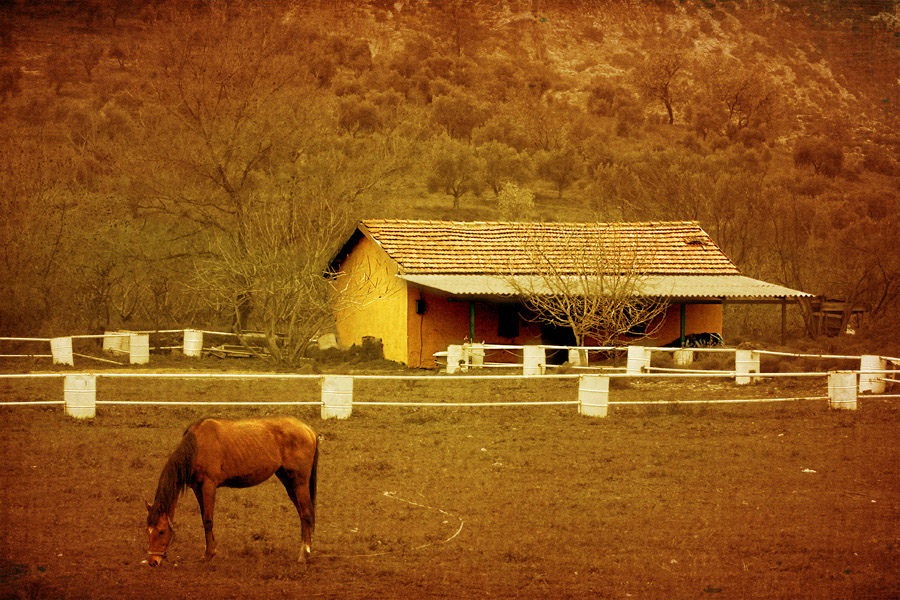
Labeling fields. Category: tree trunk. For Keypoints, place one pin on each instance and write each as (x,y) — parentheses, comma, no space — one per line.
(670,111)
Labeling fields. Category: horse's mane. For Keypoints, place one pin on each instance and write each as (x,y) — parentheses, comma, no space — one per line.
(174,477)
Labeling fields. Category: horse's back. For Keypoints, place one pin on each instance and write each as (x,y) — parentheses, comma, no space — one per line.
(259,446)
(249,427)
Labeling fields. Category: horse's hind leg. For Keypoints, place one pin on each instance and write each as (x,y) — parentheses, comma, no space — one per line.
(298,490)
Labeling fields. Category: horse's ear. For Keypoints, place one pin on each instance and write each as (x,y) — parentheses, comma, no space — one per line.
(149,506)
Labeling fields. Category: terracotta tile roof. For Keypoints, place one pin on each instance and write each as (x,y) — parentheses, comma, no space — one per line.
(456,247)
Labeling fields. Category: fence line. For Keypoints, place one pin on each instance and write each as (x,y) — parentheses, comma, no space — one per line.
(211,403)
(337,391)
(189,375)
(465,377)
(459,357)
(797,355)
(533,358)
(439,378)
(105,360)
(133,343)
(464,404)
(727,401)
(31,402)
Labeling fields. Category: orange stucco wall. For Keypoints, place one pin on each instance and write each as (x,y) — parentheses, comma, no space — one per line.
(373,301)
(446,322)
(699,318)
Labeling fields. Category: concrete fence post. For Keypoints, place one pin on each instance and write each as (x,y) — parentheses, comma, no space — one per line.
(638,360)
(80,393)
(534,360)
(593,395)
(454,357)
(684,357)
(842,390)
(745,362)
(61,349)
(871,382)
(193,343)
(139,348)
(337,396)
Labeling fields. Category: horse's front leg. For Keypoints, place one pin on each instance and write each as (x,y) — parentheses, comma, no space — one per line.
(206,498)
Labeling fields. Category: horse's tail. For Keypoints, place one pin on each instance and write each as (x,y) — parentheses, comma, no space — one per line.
(312,483)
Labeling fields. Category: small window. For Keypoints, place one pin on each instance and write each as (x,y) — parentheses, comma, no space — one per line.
(508,322)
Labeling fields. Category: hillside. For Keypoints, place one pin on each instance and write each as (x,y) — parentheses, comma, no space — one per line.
(155,153)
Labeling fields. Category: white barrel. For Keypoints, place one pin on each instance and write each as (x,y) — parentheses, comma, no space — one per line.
(139,348)
(534,360)
(872,382)
(124,341)
(638,360)
(745,362)
(80,392)
(61,350)
(337,396)
(684,357)
(454,358)
(593,395)
(193,343)
(476,355)
(574,357)
(842,390)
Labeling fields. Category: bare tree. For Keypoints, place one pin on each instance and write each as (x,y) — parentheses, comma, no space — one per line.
(455,170)
(277,268)
(660,76)
(594,284)
(219,113)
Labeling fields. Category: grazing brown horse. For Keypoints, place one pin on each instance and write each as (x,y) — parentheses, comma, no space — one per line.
(215,453)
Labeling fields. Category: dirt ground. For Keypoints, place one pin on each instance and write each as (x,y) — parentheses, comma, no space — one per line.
(767,501)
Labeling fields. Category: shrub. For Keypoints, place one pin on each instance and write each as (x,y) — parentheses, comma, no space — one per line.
(824,156)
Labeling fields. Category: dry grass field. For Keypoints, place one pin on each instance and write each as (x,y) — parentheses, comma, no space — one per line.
(772,501)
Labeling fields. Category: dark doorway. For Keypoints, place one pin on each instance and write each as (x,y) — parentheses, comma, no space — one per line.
(555,335)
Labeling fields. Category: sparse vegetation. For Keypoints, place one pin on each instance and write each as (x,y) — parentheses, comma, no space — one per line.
(139,138)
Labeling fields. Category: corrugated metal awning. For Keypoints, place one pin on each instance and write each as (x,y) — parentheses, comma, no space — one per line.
(697,287)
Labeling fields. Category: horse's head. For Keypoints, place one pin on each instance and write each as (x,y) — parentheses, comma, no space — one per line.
(159,528)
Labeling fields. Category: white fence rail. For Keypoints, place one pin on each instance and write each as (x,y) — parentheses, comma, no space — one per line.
(80,391)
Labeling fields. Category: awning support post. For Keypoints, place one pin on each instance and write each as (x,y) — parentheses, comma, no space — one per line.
(783,321)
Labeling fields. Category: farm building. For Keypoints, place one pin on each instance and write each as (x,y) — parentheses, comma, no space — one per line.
(420,286)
